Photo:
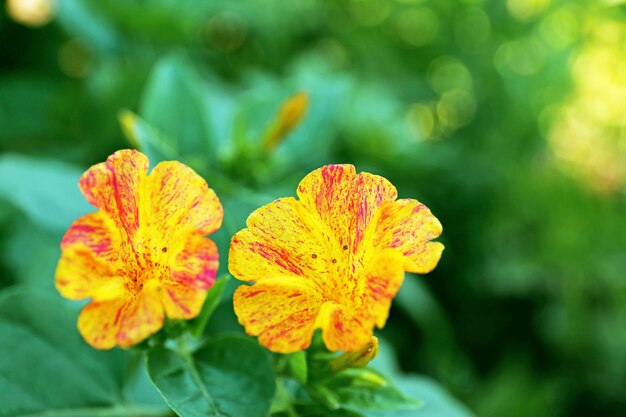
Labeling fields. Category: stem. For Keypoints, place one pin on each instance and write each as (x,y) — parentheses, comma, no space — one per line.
(183,351)
(117,410)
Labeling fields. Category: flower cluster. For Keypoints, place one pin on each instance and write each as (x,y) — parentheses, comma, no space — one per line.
(332,259)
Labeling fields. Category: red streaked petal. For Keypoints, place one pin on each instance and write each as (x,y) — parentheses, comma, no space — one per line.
(281,312)
(279,242)
(383,279)
(115,185)
(192,274)
(343,328)
(344,201)
(121,322)
(96,233)
(408,226)
(181,201)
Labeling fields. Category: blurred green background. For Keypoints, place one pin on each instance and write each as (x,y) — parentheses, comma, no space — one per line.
(506,117)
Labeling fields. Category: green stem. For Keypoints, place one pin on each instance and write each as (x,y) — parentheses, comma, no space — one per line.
(184,353)
(112,411)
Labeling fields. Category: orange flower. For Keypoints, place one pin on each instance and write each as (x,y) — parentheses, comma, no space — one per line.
(333,259)
(143,254)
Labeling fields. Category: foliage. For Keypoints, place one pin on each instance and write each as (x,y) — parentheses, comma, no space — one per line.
(466,105)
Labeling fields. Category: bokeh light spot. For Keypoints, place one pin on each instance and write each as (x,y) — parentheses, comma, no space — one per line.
(448,73)
(33,13)
(420,119)
(417,26)
(522,57)
(559,29)
(526,9)
(588,134)
(472,29)
(369,12)
(226,31)
(75,58)
(456,108)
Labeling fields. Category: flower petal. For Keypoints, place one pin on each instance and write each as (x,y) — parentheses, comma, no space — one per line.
(123,322)
(349,328)
(344,201)
(88,264)
(81,275)
(281,312)
(95,233)
(193,273)
(181,202)
(382,282)
(343,328)
(280,241)
(408,226)
(98,322)
(114,186)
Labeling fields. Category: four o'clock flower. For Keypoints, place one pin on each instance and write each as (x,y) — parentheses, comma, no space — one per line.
(143,255)
(332,259)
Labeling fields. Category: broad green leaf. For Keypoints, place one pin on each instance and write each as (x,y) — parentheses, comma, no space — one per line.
(30,254)
(298,366)
(227,377)
(149,140)
(363,389)
(47,191)
(173,105)
(210,304)
(436,401)
(50,370)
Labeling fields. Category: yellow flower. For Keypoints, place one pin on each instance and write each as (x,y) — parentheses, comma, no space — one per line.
(334,259)
(142,255)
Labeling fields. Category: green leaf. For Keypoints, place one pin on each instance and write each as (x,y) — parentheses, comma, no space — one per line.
(50,370)
(47,191)
(436,401)
(210,304)
(30,254)
(149,140)
(363,389)
(227,377)
(173,105)
(298,366)
(316,410)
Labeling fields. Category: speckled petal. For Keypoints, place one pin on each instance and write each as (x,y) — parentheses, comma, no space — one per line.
(114,186)
(122,322)
(343,328)
(408,226)
(96,233)
(193,272)
(99,322)
(88,264)
(343,201)
(383,279)
(81,275)
(141,318)
(281,312)
(181,202)
(281,241)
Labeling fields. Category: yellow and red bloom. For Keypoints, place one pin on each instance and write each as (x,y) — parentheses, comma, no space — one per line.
(142,255)
(334,259)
